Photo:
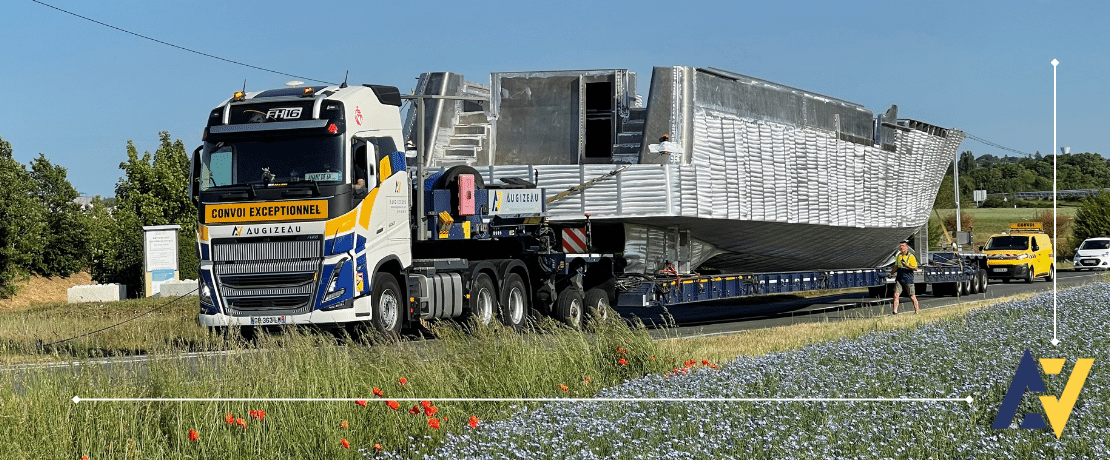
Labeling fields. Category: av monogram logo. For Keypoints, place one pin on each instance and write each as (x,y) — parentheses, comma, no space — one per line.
(1028,379)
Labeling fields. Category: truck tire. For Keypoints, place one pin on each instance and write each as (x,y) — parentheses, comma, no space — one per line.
(974,283)
(387,304)
(483,299)
(513,308)
(964,288)
(983,280)
(597,305)
(569,307)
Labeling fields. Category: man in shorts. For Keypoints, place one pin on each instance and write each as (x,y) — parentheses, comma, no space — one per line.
(904,266)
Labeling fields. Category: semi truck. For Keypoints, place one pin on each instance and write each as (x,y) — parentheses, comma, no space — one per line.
(313,211)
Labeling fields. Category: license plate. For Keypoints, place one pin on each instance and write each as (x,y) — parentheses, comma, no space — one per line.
(1001,270)
(1089,261)
(268,320)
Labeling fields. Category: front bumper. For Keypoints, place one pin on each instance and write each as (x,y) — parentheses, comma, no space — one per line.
(343,316)
(1016,271)
(1092,262)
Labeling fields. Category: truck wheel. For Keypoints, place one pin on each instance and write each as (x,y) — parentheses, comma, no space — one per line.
(483,303)
(964,287)
(1051,273)
(974,283)
(597,305)
(569,306)
(513,308)
(387,301)
(983,281)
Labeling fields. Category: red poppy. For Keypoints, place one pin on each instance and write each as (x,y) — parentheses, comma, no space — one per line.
(258,414)
(193,435)
(415,409)
(392,404)
(653,357)
(705,362)
(377,446)
(622,350)
(474,421)
(343,425)
(426,403)
(434,423)
(230,419)
(563,387)
(430,410)
(622,361)
(346,445)
(241,422)
(378,391)
(402,381)
(361,402)
(587,380)
(84,457)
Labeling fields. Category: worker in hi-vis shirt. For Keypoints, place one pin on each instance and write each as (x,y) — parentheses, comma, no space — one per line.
(904,266)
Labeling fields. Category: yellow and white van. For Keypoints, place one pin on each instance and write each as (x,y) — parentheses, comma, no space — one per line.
(1024,253)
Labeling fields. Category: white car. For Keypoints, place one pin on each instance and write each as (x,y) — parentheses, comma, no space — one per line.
(1094,253)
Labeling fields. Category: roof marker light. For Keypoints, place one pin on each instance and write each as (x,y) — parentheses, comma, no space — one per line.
(238,96)
(307,92)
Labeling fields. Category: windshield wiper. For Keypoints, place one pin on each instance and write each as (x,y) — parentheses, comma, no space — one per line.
(314,184)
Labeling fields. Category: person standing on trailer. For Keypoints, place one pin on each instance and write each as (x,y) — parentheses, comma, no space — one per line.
(904,266)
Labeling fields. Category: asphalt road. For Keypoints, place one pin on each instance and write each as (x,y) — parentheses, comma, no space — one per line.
(726,317)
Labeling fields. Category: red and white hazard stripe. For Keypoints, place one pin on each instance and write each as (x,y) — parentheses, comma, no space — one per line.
(574,240)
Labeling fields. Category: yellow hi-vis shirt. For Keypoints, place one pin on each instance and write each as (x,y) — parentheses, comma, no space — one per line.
(905,261)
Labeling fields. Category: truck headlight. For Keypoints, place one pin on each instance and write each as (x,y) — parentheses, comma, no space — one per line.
(206,295)
(333,291)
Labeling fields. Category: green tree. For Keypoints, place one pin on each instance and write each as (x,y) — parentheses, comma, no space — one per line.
(1092,219)
(21,221)
(66,236)
(152,192)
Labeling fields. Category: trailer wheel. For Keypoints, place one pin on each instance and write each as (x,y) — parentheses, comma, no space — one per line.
(597,305)
(569,306)
(983,280)
(513,308)
(964,287)
(974,281)
(387,304)
(483,302)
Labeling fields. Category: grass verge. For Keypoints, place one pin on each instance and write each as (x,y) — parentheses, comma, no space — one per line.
(37,412)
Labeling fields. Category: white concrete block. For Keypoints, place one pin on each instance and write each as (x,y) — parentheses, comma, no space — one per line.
(177,288)
(97,293)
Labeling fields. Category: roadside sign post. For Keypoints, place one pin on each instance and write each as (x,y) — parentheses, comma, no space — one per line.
(159,257)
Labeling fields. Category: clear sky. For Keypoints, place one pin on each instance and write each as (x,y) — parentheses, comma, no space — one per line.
(77,91)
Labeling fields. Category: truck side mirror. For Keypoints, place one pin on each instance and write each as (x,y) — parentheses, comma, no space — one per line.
(194,176)
(980,249)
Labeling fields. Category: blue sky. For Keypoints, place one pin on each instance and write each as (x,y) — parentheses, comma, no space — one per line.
(77,91)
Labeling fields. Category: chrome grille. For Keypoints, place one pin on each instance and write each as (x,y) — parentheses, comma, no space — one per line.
(272,250)
(285,305)
(268,280)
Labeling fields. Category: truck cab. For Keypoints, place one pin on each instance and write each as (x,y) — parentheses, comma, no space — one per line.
(303,205)
(1024,253)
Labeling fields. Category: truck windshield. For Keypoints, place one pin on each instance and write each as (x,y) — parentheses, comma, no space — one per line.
(1096,244)
(281,160)
(1009,243)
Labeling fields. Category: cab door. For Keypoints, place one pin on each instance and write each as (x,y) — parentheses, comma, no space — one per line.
(1045,256)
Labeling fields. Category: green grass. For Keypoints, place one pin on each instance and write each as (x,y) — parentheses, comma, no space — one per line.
(989,221)
(41,421)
